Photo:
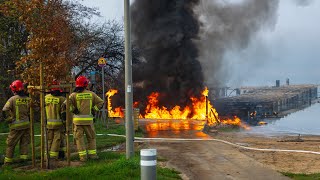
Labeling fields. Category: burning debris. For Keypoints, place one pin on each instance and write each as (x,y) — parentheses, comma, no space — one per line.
(201,110)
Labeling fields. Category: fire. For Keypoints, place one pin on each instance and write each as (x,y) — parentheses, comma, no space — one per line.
(201,109)
(262,123)
(153,111)
(205,92)
(236,122)
(117,112)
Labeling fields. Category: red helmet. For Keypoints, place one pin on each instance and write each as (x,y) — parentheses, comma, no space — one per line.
(55,82)
(82,81)
(16,85)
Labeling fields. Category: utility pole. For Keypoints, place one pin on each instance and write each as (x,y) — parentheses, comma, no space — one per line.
(128,82)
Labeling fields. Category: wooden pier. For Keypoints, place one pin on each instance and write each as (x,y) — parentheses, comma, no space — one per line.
(266,102)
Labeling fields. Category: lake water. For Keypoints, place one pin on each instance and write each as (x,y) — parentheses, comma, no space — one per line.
(306,121)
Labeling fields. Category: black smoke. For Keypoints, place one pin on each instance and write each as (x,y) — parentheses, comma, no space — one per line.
(183,43)
(164,31)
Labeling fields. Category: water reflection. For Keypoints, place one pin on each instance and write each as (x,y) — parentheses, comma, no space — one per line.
(305,121)
(171,128)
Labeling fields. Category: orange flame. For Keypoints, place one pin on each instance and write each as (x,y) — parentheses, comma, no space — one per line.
(117,112)
(201,109)
(205,92)
(262,123)
(235,122)
(198,111)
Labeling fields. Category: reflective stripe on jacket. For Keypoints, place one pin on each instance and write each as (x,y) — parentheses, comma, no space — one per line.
(85,102)
(18,107)
(21,124)
(53,110)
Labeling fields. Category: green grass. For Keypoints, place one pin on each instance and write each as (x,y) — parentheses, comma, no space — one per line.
(302,176)
(3,127)
(111,165)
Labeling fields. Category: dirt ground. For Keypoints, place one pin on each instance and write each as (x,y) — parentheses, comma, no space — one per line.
(209,159)
(293,162)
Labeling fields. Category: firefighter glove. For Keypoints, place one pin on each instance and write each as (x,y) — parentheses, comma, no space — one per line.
(63,116)
(6,116)
(76,111)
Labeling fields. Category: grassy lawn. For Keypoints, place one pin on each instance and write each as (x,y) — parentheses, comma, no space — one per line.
(302,176)
(111,165)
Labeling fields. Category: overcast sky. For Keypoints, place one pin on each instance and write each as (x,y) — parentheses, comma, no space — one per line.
(290,50)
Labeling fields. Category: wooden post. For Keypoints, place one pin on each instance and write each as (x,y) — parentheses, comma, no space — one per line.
(42,116)
(67,125)
(44,135)
(32,132)
(207,108)
(44,138)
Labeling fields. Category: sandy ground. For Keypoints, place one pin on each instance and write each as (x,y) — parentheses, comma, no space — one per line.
(217,160)
(281,161)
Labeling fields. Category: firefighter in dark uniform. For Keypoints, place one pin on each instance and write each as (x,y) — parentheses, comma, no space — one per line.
(16,113)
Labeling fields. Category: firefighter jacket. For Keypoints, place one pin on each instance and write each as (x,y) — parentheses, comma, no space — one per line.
(84,102)
(53,111)
(17,108)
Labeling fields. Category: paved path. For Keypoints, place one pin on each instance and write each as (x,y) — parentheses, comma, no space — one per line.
(202,160)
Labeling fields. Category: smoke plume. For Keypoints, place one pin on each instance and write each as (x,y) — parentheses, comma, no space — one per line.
(229,25)
(183,42)
(303,2)
(165,31)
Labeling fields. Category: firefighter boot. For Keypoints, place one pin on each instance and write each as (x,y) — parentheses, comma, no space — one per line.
(23,159)
(54,163)
(83,158)
(61,155)
(7,162)
(93,156)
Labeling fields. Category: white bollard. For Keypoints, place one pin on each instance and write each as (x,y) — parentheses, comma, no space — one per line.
(148,163)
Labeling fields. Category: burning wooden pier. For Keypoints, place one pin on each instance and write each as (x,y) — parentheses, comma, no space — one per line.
(254,103)
(176,118)
(251,104)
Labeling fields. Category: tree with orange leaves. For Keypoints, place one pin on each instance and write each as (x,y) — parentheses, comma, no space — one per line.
(62,36)
(50,39)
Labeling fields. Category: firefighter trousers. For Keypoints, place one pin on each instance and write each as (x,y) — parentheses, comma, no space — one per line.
(15,136)
(55,142)
(78,133)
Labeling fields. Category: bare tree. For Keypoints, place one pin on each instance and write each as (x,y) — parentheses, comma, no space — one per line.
(106,40)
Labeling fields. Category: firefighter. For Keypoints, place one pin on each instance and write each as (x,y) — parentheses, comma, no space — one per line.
(55,122)
(16,113)
(82,103)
